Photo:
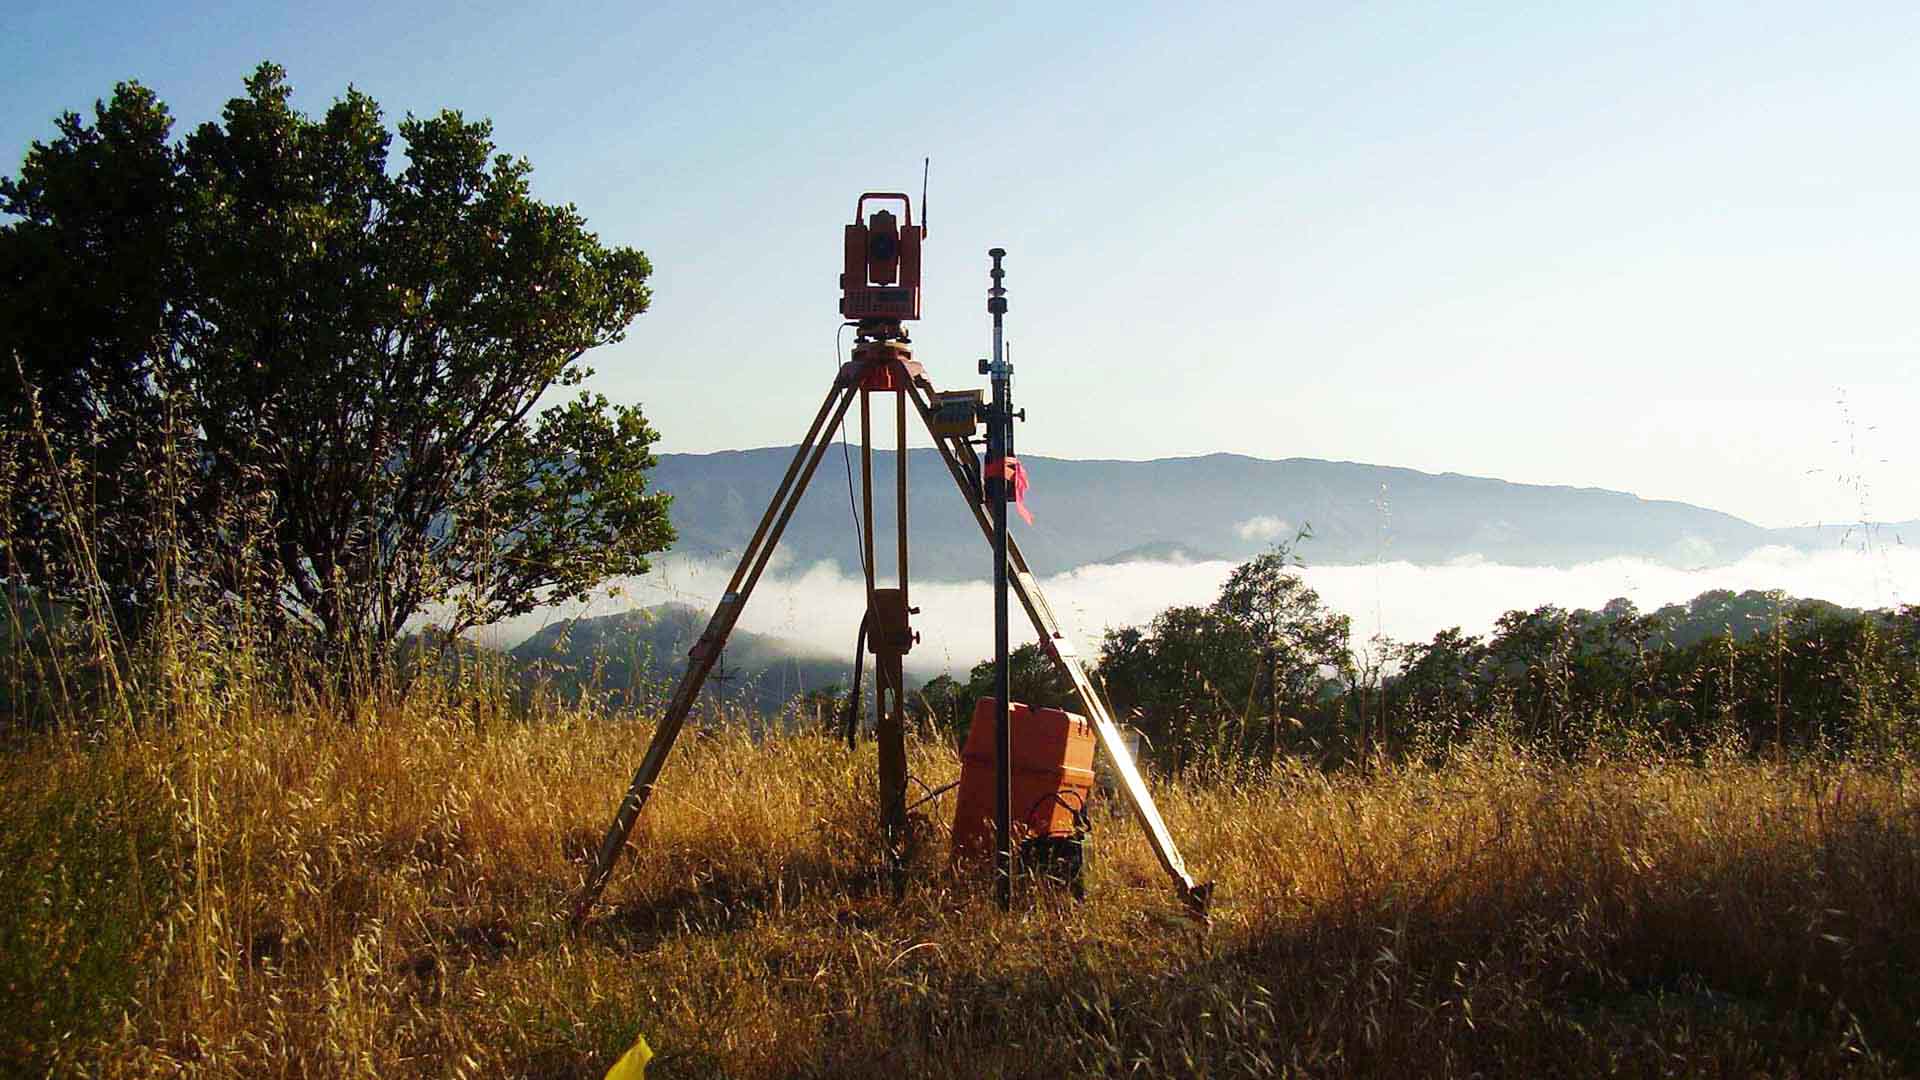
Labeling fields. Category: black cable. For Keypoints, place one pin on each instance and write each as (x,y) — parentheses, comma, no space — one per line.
(853,510)
(852,721)
(1082,823)
(1063,858)
(933,794)
(846,457)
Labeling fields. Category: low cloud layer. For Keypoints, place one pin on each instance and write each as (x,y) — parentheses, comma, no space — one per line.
(819,607)
(1263,527)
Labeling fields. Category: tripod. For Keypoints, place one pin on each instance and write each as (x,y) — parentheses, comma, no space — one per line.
(883,363)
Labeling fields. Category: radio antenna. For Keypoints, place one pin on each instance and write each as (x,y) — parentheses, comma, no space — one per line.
(926,167)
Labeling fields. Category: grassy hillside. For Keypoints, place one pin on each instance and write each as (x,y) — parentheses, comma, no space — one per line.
(237,890)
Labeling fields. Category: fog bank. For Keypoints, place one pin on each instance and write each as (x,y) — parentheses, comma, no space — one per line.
(819,608)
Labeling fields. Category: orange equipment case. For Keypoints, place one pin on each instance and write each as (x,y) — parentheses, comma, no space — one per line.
(1051,762)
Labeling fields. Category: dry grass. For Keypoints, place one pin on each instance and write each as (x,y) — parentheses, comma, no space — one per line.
(253,894)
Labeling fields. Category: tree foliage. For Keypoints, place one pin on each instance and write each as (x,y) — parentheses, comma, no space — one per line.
(1225,677)
(270,360)
(1297,637)
(1758,671)
(944,705)
(1265,670)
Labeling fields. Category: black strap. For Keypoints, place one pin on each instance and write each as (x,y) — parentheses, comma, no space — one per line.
(852,721)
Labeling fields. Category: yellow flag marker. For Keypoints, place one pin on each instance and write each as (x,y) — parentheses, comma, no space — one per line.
(632,1064)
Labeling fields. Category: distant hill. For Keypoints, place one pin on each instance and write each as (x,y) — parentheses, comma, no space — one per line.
(1165,551)
(1856,536)
(1225,505)
(646,650)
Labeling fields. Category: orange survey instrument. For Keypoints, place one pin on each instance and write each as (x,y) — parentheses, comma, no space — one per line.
(1052,776)
(881,279)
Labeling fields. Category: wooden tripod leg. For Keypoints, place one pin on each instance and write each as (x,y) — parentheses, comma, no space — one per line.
(1195,896)
(712,640)
(820,429)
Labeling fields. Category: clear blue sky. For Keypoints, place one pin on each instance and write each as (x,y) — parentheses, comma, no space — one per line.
(1672,250)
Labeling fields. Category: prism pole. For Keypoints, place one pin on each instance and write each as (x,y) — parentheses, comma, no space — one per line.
(999,455)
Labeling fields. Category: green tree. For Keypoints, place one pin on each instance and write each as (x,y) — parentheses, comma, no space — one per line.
(1224,679)
(942,704)
(1186,679)
(1298,638)
(322,374)
(1441,680)
(1032,678)
(92,313)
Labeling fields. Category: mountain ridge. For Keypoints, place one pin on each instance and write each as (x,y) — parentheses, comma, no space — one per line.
(1230,455)
(1232,505)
